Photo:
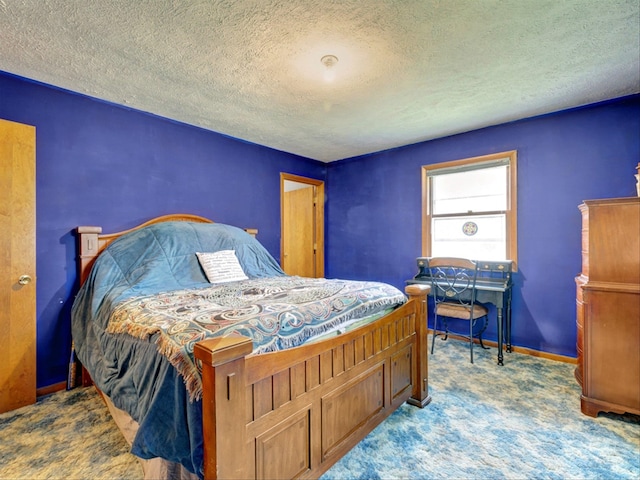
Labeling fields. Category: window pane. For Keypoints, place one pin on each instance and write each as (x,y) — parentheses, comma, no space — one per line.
(481,190)
(479,237)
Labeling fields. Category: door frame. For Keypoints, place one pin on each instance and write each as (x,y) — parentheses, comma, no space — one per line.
(318,220)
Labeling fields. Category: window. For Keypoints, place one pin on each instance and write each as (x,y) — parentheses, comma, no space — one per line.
(469,208)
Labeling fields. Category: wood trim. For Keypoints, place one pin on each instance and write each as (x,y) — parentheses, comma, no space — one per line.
(320,229)
(426,214)
(609,201)
(512,210)
(319,217)
(512,214)
(549,356)
(49,389)
(611,287)
(299,179)
(523,350)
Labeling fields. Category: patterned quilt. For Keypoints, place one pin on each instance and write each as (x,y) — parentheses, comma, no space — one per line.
(276,313)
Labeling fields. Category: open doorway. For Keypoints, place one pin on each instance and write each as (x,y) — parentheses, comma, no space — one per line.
(302,226)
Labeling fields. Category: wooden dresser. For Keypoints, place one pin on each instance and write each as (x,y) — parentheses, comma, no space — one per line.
(608,307)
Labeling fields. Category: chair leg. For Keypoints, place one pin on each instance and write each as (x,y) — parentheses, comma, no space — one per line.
(471,323)
(484,327)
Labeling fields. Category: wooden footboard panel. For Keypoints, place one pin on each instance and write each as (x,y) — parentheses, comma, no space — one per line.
(293,414)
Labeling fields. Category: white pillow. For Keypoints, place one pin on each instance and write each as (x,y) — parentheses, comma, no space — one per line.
(221,266)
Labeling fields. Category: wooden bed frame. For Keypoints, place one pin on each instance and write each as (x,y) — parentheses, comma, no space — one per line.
(306,407)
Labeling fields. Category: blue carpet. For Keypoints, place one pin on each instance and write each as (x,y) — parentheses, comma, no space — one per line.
(520,421)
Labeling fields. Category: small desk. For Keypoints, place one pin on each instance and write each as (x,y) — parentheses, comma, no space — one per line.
(493,286)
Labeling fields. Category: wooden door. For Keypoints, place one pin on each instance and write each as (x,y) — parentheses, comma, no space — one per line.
(298,238)
(302,248)
(17,266)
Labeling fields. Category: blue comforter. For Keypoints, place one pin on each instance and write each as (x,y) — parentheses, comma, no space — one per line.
(131,371)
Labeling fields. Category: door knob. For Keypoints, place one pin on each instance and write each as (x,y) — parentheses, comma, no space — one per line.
(24,279)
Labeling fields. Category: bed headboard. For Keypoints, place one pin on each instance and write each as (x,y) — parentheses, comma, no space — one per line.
(91,240)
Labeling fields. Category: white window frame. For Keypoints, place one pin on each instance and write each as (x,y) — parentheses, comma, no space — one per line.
(466,164)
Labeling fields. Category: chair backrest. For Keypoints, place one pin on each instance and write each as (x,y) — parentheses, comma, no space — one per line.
(453,280)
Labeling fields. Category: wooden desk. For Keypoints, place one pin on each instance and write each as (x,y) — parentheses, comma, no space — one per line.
(493,286)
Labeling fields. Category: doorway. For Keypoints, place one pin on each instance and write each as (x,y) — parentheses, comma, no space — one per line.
(302,226)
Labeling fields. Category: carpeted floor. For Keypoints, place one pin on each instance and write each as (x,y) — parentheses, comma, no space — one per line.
(520,421)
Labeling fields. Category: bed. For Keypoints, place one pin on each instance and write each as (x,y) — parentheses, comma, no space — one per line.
(224,399)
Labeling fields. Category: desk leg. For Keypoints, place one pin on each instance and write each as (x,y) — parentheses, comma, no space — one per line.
(500,339)
(508,319)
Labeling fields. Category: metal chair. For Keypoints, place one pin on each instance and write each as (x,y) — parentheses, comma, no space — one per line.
(453,289)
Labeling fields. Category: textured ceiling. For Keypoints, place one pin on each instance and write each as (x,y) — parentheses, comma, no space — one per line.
(407,71)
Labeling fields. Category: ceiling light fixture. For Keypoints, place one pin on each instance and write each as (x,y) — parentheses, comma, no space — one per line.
(329,62)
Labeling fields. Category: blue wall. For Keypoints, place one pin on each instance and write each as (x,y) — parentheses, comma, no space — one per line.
(374,209)
(100,164)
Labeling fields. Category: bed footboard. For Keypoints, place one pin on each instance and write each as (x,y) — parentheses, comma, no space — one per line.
(293,414)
